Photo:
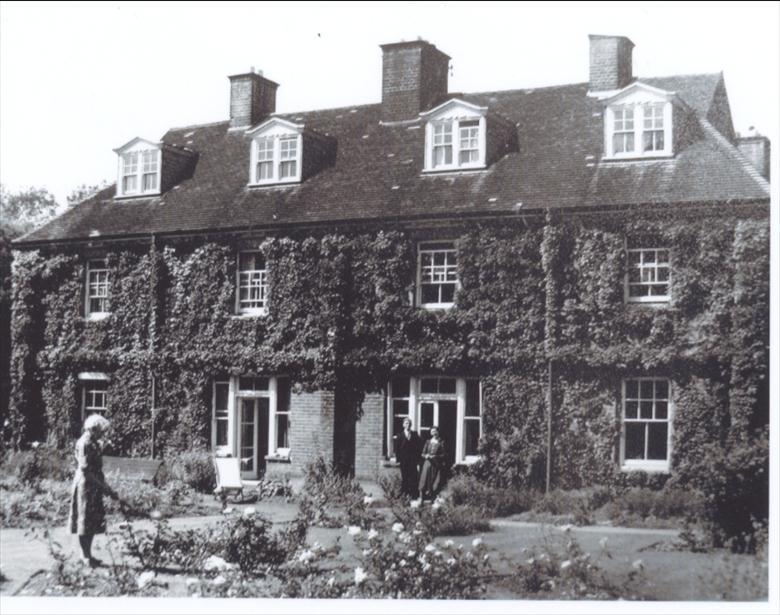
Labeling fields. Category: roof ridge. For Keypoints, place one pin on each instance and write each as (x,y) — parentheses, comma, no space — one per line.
(197,125)
(735,153)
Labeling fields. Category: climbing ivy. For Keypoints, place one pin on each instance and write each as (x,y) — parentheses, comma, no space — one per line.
(533,290)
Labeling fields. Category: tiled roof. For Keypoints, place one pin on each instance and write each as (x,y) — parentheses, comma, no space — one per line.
(377,172)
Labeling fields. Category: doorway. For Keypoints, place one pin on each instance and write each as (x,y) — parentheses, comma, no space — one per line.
(444,413)
(252,435)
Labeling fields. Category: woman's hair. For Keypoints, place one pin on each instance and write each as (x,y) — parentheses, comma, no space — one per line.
(436,427)
(96,421)
(405,421)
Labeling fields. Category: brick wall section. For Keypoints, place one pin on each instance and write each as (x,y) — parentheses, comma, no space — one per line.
(369,432)
(311,428)
(610,62)
(252,97)
(414,79)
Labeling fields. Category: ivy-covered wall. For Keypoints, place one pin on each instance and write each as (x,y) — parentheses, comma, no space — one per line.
(534,290)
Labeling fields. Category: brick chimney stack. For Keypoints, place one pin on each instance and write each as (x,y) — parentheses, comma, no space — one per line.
(252,98)
(756,149)
(414,79)
(610,62)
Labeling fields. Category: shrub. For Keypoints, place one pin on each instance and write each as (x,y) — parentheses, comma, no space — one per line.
(734,481)
(409,564)
(275,488)
(577,506)
(491,501)
(561,569)
(40,462)
(195,469)
(668,503)
(45,502)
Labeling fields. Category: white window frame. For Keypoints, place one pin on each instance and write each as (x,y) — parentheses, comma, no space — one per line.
(139,172)
(93,382)
(665,298)
(235,393)
(639,121)
(97,266)
(417,397)
(455,165)
(646,465)
(251,311)
(440,305)
(278,161)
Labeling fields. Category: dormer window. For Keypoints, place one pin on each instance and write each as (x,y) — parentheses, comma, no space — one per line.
(276,151)
(455,137)
(638,123)
(139,168)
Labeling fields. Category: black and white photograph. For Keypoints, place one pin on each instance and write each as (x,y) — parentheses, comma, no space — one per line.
(382,307)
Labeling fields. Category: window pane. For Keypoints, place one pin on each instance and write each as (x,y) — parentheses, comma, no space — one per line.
(150,181)
(471,436)
(400,387)
(632,389)
(661,410)
(426,415)
(221,396)
(246,384)
(656,446)
(400,407)
(429,385)
(430,293)
(222,432)
(472,398)
(631,409)
(662,389)
(646,409)
(635,441)
(282,431)
(447,293)
(646,389)
(283,395)
(398,425)
(447,385)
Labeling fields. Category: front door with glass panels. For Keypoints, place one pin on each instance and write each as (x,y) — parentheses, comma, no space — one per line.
(252,435)
(444,414)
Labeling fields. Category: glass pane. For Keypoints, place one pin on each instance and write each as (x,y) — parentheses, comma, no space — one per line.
(398,425)
(663,274)
(430,293)
(659,289)
(663,256)
(400,387)
(429,385)
(661,410)
(283,395)
(472,437)
(282,431)
(635,441)
(656,446)
(222,431)
(426,415)
(646,389)
(447,385)
(261,384)
(472,398)
(631,409)
(632,389)
(248,435)
(646,409)
(447,293)
(400,407)
(661,389)
(221,401)
(245,383)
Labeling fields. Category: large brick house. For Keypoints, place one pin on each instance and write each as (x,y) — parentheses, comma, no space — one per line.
(569,280)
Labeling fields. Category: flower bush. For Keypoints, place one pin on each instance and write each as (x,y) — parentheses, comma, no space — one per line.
(409,564)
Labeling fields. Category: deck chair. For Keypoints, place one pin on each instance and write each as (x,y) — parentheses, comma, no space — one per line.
(228,470)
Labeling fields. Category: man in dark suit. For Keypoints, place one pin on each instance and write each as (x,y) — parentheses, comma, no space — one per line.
(407,454)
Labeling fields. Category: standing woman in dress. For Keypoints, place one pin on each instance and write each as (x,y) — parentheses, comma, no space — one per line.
(407,454)
(87,514)
(432,475)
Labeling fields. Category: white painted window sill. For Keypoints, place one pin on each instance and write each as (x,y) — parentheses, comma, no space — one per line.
(253,314)
(660,467)
(97,316)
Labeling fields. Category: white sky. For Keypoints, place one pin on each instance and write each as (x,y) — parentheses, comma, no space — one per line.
(79,79)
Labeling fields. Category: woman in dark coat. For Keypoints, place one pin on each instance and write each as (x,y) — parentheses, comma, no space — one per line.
(432,475)
(87,514)
(407,454)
